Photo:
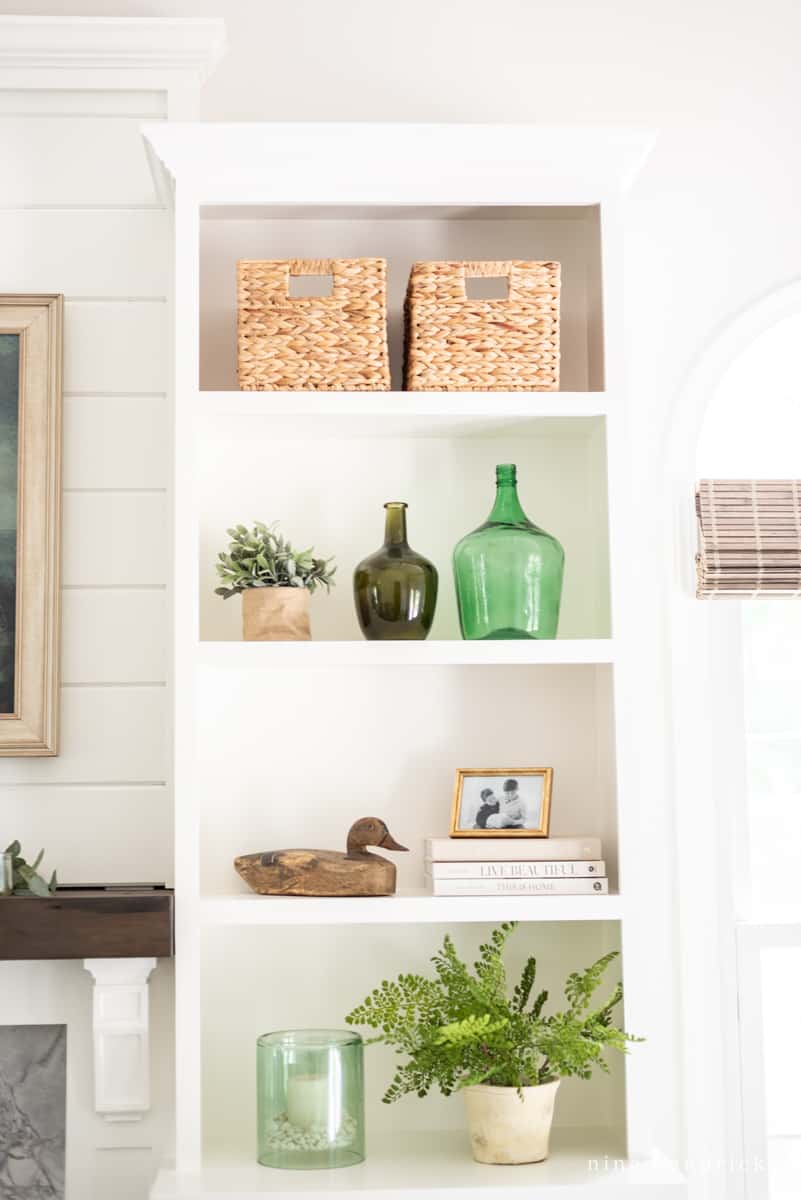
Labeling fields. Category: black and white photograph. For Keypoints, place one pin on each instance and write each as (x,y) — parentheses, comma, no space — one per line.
(502,803)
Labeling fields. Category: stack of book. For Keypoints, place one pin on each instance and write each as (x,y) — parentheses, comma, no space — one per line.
(571,866)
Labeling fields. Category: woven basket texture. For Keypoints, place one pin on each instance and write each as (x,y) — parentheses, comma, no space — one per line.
(455,343)
(313,343)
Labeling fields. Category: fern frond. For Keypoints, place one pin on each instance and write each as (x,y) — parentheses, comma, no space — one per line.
(471,1029)
(523,988)
(581,984)
(538,1005)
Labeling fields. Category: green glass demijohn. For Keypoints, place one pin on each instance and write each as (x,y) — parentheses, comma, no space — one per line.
(508,572)
(395,589)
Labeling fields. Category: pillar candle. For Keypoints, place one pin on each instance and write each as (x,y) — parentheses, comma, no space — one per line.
(309,1101)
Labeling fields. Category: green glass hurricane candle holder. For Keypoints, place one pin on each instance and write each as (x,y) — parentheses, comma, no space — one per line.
(310,1099)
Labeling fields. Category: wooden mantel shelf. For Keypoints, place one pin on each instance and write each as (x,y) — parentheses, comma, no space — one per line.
(88,923)
(120,933)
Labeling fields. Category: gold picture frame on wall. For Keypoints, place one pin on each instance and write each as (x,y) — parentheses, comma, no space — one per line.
(31,354)
(501,802)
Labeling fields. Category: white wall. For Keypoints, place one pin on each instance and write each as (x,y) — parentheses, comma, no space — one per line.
(713,220)
(80,216)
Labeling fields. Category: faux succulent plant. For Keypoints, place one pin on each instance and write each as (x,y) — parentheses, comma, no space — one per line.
(27,880)
(261,557)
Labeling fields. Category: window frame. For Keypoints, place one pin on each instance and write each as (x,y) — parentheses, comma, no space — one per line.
(720,986)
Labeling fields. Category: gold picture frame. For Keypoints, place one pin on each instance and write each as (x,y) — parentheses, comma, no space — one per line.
(31,355)
(519,811)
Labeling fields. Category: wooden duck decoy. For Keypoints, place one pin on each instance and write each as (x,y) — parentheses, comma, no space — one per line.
(357,872)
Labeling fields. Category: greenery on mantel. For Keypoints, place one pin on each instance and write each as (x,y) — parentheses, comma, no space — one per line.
(463,1028)
(27,880)
(260,557)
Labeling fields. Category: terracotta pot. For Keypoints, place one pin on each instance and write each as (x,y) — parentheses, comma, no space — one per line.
(504,1128)
(276,614)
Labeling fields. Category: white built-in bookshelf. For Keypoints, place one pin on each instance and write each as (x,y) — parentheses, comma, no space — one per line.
(280,744)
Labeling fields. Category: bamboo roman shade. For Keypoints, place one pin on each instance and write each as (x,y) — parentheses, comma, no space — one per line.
(749,537)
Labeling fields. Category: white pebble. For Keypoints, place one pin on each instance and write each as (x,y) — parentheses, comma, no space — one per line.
(283,1135)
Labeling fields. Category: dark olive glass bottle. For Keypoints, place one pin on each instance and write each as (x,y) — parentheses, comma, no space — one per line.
(508,571)
(395,589)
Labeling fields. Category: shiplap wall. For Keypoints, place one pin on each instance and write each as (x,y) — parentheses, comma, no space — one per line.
(78,215)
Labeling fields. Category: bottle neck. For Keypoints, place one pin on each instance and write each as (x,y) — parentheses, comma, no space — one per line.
(395,525)
(507,509)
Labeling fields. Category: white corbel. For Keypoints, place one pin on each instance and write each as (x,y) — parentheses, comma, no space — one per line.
(121,1034)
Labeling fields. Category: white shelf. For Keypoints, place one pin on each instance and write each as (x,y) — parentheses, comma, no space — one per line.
(409,907)
(257,656)
(438,1166)
(401,414)
(448,404)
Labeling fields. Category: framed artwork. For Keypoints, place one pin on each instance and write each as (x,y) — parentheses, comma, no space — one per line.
(509,802)
(30,522)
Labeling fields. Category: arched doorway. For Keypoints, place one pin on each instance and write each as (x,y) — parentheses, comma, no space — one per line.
(737,728)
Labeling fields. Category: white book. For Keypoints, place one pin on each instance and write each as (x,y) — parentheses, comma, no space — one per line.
(484,849)
(516,870)
(518,887)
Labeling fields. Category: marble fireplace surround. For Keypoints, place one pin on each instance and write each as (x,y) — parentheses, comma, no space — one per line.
(33,1072)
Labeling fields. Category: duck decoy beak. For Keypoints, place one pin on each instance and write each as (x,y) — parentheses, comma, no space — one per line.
(388,843)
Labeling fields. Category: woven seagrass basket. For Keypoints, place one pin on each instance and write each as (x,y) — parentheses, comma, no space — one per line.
(313,343)
(455,343)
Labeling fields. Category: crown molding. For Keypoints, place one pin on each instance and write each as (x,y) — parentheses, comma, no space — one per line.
(375,163)
(128,44)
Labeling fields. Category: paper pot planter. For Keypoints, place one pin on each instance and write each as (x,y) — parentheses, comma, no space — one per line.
(276,614)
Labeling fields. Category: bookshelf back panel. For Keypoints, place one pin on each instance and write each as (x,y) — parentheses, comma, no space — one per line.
(569,236)
(308,752)
(329,493)
(311,978)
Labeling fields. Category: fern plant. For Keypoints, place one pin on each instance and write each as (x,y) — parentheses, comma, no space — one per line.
(261,557)
(462,1027)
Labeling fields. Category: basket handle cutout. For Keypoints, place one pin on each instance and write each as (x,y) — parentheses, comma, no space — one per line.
(486,287)
(292,281)
(304,286)
(450,282)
